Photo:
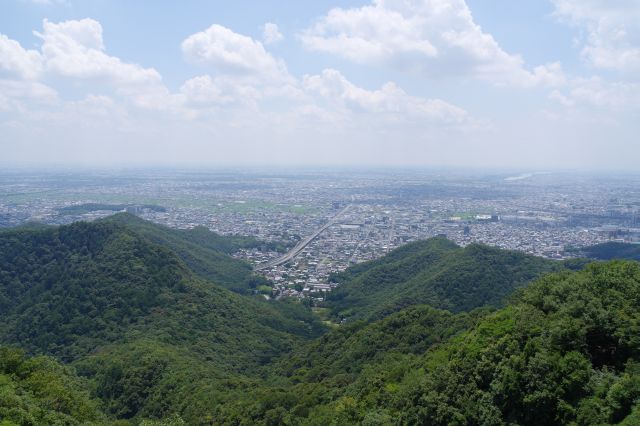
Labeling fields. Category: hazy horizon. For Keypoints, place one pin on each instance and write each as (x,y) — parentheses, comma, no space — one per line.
(82,167)
(534,85)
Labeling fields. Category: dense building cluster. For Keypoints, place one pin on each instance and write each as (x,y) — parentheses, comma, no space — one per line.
(541,214)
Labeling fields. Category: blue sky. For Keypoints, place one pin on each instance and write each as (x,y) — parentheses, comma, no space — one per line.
(530,84)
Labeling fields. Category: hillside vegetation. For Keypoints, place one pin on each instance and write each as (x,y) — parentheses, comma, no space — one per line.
(94,294)
(435,272)
(612,250)
(565,351)
(40,391)
(138,338)
(204,252)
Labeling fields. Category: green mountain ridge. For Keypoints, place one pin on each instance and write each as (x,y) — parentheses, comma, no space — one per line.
(87,291)
(436,272)
(564,351)
(142,336)
(611,250)
(204,252)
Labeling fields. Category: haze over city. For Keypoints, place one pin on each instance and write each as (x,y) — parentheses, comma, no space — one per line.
(327,212)
(533,84)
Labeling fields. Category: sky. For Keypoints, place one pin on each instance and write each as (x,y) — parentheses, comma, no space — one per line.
(538,84)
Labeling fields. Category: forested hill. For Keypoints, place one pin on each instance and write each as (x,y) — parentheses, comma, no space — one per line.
(143,337)
(41,391)
(612,250)
(131,315)
(565,351)
(435,272)
(205,253)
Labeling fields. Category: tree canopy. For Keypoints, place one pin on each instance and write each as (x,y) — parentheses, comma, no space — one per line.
(435,272)
(119,330)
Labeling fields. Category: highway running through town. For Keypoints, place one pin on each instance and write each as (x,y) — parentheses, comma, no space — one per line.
(302,244)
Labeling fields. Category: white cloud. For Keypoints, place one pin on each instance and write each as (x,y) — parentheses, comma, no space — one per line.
(389,101)
(47,2)
(563,100)
(433,37)
(19,95)
(549,75)
(612,31)
(248,98)
(232,53)
(17,62)
(28,90)
(97,105)
(205,91)
(271,34)
(76,49)
(328,96)
(596,92)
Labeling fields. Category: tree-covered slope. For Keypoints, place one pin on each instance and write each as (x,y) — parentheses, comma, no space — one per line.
(612,250)
(566,351)
(149,339)
(93,293)
(346,350)
(314,375)
(435,272)
(40,391)
(205,253)
(70,289)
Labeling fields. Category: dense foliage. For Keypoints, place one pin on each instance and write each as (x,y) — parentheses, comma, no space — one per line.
(94,293)
(147,341)
(40,391)
(566,351)
(612,250)
(435,272)
(205,253)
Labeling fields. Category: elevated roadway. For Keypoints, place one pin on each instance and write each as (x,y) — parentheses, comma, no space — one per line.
(302,244)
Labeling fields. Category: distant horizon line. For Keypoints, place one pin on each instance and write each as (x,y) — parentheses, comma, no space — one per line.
(182,167)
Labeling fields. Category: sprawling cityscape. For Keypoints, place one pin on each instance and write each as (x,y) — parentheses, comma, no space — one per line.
(357,212)
(325,220)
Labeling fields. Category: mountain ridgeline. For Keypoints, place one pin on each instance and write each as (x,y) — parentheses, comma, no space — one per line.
(129,313)
(564,350)
(436,272)
(612,250)
(204,252)
(128,322)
